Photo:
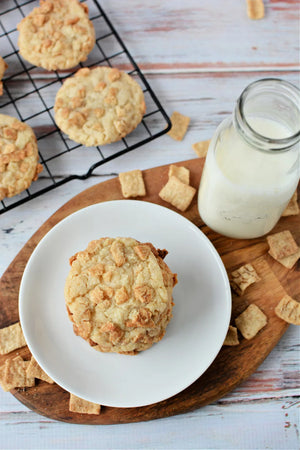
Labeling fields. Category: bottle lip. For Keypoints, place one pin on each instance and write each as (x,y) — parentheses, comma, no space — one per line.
(243,125)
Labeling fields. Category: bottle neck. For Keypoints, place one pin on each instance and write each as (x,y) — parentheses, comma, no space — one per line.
(271,100)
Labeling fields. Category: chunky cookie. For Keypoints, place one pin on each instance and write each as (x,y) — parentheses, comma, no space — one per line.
(99,106)
(57,35)
(119,295)
(18,156)
(3,67)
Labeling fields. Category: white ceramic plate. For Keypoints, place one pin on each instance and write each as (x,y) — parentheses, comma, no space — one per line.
(194,336)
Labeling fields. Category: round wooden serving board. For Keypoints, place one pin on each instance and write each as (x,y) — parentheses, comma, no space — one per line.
(232,365)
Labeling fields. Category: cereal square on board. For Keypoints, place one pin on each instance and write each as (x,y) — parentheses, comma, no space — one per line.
(251,321)
(180,172)
(288,310)
(132,184)
(292,208)
(14,374)
(282,244)
(231,337)
(35,371)
(289,261)
(11,338)
(177,193)
(243,278)
(79,405)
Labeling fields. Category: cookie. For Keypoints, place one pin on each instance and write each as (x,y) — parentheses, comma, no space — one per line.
(3,67)
(119,295)
(56,35)
(98,106)
(18,156)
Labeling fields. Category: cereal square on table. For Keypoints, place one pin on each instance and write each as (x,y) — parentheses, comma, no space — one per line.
(251,321)
(243,278)
(132,184)
(201,148)
(177,193)
(255,9)
(288,310)
(180,125)
(180,172)
(11,338)
(79,405)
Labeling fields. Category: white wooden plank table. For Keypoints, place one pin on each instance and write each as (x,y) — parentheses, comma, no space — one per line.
(198,56)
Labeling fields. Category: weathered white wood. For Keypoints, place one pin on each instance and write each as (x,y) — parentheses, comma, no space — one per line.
(243,425)
(198,56)
(206,34)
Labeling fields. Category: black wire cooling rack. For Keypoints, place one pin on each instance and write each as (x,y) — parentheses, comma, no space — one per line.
(26,86)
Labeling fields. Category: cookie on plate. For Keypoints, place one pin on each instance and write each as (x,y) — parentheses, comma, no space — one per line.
(3,67)
(98,106)
(18,156)
(56,35)
(119,295)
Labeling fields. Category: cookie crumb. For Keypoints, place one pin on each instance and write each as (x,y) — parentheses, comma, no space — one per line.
(292,208)
(35,371)
(13,374)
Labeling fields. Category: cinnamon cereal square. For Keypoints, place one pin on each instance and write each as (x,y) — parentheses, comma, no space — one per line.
(180,172)
(288,310)
(79,405)
(11,338)
(243,278)
(201,148)
(180,125)
(282,245)
(251,321)
(177,193)
(255,9)
(231,337)
(132,184)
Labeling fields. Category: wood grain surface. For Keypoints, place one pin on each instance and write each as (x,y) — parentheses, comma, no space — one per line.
(232,365)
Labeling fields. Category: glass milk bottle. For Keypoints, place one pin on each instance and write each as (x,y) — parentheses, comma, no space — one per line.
(252,165)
